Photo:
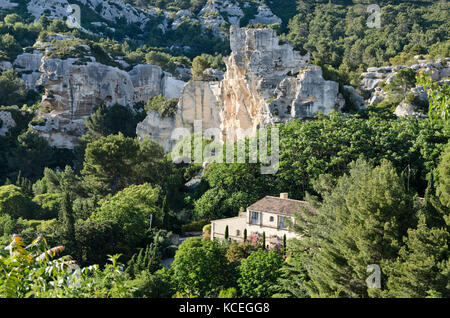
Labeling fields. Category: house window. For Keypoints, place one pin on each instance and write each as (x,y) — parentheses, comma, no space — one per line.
(238,233)
(271,219)
(283,222)
(255,217)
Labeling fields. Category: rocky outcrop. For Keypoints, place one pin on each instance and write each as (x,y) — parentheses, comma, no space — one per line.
(356,99)
(6,122)
(265,16)
(74,87)
(5,65)
(158,129)
(108,10)
(370,81)
(217,12)
(266,82)
(6,4)
(211,16)
(406,109)
(199,102)
(28,65)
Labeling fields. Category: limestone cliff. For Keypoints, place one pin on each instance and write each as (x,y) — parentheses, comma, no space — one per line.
(74,87)
(199,102)
(266,82)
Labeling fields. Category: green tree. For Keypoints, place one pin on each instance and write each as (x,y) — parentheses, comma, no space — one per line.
(66,224)
(14,203)
(293,275)
(443,187)
(96,240)
(258,273)
(362,221)
(423,267)
(12,88)
(438,96)
(114,162)
(199,65)
(108,163)
(200,268)
(227,235)
(9,46)
(165,107)
(147,285)
(112,120)
(13,18)
(405,78)
(147,260)
(130,211)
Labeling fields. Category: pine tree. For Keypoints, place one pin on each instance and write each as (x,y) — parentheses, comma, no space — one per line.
(423,268)
(25,184)
(165,212)
(66,221)
(362,221)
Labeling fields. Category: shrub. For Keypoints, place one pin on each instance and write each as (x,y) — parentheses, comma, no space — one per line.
(165,107)
(195,226)
(14,203)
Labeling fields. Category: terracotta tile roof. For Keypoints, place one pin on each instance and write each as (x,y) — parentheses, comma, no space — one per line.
(278,205)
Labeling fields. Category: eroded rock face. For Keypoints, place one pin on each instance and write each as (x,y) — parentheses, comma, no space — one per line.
(6,122)
(28,65)
(73,88)
(265,16)
(109,10)
(406,109)
(199,102)
(266,82)
(158,129)
(76,89)
(6,4)
(370,80)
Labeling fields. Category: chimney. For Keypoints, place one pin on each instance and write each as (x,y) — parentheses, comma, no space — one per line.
(284,195)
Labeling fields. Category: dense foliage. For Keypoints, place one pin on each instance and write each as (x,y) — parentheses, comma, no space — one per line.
(117,205)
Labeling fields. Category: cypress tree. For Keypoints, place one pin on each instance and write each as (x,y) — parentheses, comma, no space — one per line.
(226,233)
(147,260)
(264,240)
(245,235)
(67,223)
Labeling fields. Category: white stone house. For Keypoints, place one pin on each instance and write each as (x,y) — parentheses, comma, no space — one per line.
(272,215)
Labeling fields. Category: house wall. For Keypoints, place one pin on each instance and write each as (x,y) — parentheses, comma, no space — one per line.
(253,229)
(238,223)
(271,227)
